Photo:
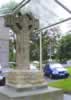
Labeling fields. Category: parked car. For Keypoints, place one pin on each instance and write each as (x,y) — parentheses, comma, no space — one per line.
(3,74)
(2,77)
(33,68)
(55,70)
(36,63)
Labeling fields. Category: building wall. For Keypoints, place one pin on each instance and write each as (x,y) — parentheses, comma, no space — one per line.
(4,43)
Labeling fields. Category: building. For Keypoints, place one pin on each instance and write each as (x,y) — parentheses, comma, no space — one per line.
(4,43)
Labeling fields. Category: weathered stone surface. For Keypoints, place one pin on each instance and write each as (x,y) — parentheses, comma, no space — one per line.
(22,79)
(23,26)
(37,94)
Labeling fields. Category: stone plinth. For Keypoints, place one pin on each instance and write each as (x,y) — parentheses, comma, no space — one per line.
(25,79)
(37,94)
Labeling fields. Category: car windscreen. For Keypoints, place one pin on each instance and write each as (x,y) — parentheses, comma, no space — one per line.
(53,66)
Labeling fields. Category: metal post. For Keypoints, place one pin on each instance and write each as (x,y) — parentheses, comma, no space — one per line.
(41,51)
(50,52)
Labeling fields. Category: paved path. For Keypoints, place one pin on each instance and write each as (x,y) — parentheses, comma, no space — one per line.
(49,80)
(67,97)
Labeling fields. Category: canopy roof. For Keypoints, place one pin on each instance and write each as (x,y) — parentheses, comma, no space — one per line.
(47,11)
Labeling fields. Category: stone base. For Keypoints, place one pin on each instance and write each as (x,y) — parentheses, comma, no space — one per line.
(21,79)
(34,94)
(26,87)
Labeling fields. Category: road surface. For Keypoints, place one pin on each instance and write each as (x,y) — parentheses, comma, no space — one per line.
(67,97)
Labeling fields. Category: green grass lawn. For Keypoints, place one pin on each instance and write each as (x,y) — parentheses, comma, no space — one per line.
(64,84)
(69,70)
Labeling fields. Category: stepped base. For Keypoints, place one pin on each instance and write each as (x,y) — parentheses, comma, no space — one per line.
(20,79)
(40,94)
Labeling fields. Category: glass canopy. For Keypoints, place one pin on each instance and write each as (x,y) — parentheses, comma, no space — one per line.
(66,3)
(47,11)
(11,6)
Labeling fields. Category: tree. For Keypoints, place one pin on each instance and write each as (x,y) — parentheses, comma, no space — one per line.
(49,38)
(53,35)
(35,47)
(64,48)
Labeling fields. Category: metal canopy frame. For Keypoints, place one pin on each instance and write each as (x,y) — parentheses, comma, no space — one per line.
(52,25)
(17,8)
(57,23)
(25,2)
(63,6)
(20,5)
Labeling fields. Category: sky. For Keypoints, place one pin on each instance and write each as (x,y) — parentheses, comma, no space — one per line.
(47,11)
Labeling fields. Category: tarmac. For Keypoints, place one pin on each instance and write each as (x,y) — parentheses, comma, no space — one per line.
(67,97)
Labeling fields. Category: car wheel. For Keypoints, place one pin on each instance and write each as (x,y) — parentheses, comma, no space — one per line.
(2,82)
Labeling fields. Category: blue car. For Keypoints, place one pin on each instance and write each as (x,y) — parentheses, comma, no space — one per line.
(55,70)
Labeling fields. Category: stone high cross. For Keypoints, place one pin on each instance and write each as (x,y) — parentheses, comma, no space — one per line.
(22,76)
(23,26)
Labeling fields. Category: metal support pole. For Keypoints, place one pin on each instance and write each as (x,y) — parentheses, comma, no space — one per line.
(50,51)
(41,51)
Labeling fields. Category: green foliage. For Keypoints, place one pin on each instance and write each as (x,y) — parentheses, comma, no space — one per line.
(35,48)
(34,51)
(12,55)
(45,42)
(69,69)
(64,48)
